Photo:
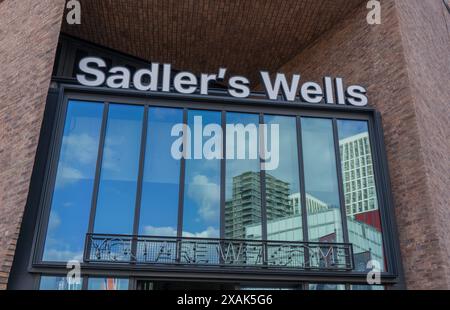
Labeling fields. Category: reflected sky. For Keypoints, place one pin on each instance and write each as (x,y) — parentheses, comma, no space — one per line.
(277,198)
(319,160)
(321,179)
(348,128)
(118,176)
(159,205)
(201,211)
(72,195)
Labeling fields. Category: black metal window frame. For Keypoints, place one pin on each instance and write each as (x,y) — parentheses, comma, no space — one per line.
(217,102)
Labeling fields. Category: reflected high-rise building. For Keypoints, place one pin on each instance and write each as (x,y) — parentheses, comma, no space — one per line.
(244,209)
(357,174)
(313,205)
(243,220)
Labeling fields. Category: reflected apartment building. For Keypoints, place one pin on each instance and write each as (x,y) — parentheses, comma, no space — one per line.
(364,228)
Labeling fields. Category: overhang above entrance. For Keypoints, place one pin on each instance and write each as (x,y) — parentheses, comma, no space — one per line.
(244,36)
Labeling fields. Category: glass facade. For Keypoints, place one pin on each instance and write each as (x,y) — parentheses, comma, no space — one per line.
(283,198)
(119,170)
(326,287)
(321,182)
(107,284)
(58,283)
(161,181)
(242,178)
(361,203)
(124,178)
(201,209)
(72,194)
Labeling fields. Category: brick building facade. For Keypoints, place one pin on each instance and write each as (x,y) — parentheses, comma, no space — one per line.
(404,63)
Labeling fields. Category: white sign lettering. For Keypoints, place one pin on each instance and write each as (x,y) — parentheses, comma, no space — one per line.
(157,77)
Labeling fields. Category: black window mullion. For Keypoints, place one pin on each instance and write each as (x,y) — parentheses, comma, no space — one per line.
(262,178)
(223,180)
(137,209)
(84,283)
(222,175)
(98,168)
(382,189)
(340,181)
(181,186)
(301,170)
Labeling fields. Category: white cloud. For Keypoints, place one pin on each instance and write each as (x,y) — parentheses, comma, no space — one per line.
(82,148)
(160,231)
(62,255)
(54,221)
(207,195)
(210,232)
(68,175)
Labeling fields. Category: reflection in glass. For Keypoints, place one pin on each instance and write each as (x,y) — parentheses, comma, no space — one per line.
(71,202)
(322,194)
(118,176)
(242,185)
(159,205)
(201,210)
(326,287)
(107,284)
(53,283)
(363,217)
(362,287)
(283,201)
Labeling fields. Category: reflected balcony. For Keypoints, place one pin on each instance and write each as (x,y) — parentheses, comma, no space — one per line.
(214,252)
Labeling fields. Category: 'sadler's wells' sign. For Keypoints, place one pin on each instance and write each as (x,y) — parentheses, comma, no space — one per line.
(330,91)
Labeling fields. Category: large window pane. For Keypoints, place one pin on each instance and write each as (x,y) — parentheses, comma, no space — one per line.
(56,283)
(118,178)
(283,201)
(361,204)
(107,284)
(362,287)
(201,209)
(326,287)
(71,203)
(322,194)
(242,186)
(159,205)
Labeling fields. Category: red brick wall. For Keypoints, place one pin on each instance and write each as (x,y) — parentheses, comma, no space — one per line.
(425,28)
(404,62)
(28,37)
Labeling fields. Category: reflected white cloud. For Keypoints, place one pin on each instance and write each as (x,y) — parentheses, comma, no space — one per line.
(54,221)
(68,175)
(160,231)
(79,152)
(207,195)
(62,255)
(210,232)
(81,148)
